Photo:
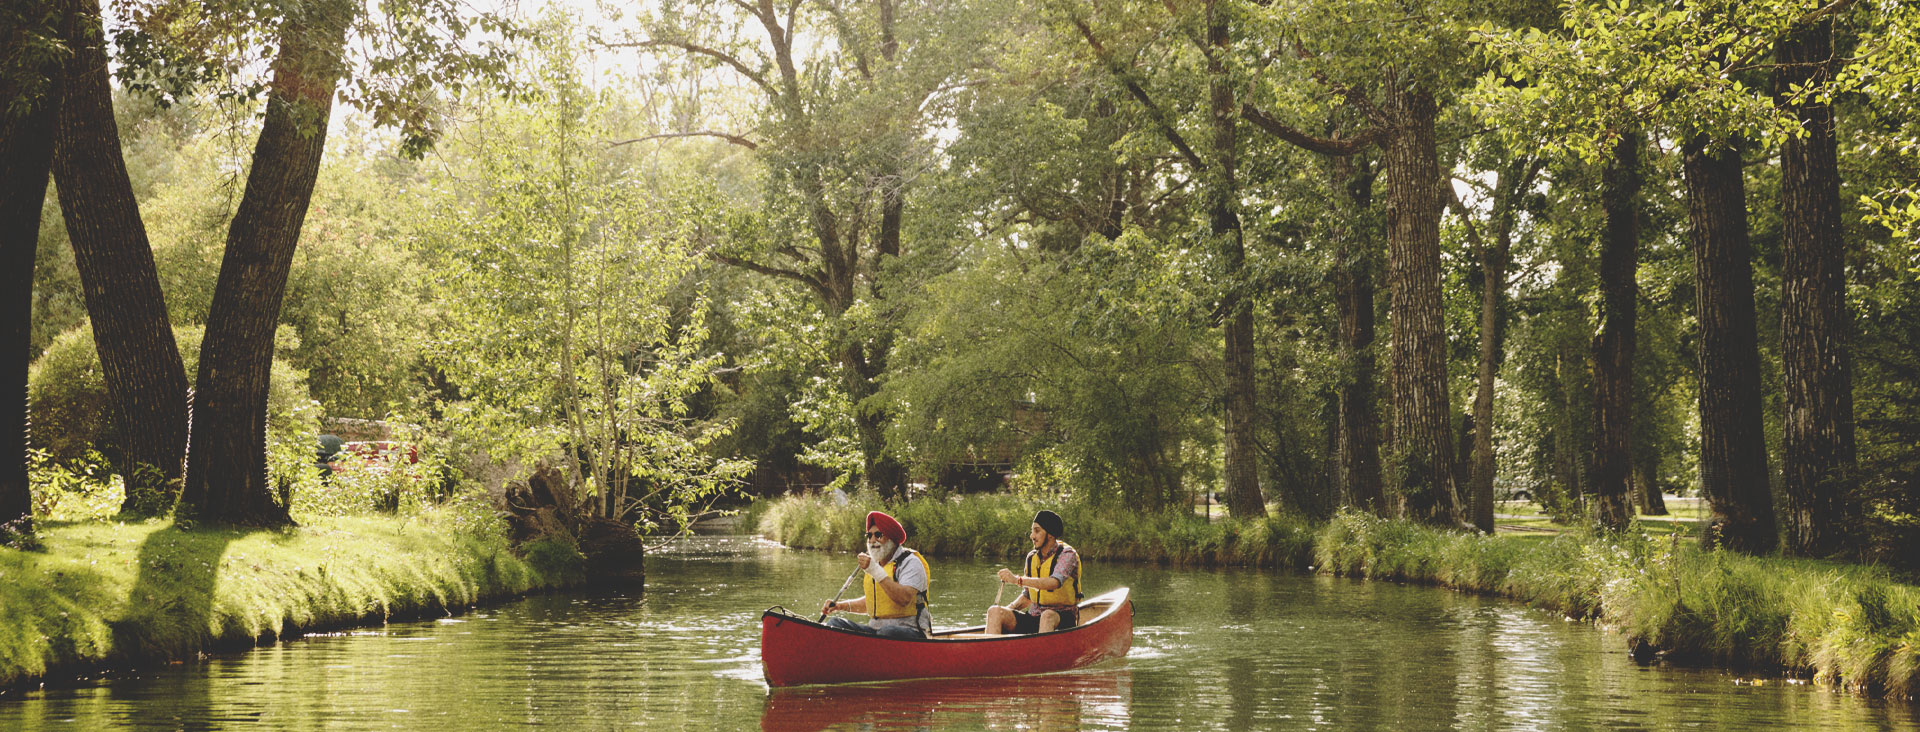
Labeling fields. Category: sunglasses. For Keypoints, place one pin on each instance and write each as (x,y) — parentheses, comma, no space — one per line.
(874,534)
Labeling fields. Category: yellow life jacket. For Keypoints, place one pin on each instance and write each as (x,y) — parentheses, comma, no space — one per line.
(1068,593)
(880,604)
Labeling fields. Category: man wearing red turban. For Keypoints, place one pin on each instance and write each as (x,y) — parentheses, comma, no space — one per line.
(895,596)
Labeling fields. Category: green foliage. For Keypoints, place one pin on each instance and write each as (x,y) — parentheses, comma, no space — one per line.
(557,558)
(1085,363)
(572,328)
(399,59)
(69,404)
(995,526)
(1616,66)
(75,490)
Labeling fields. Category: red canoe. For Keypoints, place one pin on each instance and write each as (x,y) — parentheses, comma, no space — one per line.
(795,650)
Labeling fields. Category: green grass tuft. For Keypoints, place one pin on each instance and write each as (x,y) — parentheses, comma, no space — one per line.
(102,592)
(996,526)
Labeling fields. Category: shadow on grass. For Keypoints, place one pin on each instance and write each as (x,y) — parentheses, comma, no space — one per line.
(171,606)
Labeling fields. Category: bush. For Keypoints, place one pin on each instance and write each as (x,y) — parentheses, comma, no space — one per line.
(71,413)
(76,490)
(556,558)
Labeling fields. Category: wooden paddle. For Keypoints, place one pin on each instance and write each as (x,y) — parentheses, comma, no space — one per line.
(843,590)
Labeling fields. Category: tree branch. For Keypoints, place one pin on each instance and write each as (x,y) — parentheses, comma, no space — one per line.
(1323,145)
(1352,95)
(795,275)
(849,39)
(1133,87)
(690,47)
(735,139)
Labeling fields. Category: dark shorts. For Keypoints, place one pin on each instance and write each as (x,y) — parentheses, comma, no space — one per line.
(1024,623)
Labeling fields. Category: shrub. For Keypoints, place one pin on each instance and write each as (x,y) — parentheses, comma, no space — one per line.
(70,411)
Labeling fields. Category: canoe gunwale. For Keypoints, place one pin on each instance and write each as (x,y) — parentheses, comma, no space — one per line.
(1114,599)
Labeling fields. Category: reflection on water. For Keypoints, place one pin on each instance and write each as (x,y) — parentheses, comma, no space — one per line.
(1213,650)
(1077,700)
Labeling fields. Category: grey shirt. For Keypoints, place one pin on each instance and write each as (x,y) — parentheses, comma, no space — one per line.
(913,573)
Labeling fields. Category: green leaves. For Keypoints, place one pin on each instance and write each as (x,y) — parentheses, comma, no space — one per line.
(1689,69)
(576,334)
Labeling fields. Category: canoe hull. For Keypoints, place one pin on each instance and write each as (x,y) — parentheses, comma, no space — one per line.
(795,650)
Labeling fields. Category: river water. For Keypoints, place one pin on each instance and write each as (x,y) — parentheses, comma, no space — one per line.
(1213,650)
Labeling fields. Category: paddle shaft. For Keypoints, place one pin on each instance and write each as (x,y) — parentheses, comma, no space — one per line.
(843,590)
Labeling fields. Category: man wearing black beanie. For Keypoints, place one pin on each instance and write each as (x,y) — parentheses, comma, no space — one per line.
(1051,600)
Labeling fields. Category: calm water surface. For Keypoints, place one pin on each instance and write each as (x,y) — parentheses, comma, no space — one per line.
(1213,650)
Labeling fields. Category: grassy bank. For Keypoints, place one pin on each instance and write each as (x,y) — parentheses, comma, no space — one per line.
(1844,625)
(996,526)
(105,593)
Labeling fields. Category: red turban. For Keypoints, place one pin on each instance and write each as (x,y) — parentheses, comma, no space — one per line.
(887,525)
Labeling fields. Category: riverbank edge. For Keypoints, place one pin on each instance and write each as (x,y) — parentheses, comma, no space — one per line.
(100,596)
(1841,625)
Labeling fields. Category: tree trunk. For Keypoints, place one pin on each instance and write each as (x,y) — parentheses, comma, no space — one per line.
(1242,466)
(139,361)
(1613,346)
(883,473)
(1646,482)
(1422,453)
(226,462)
(26,163)
(1359,428)
(1493,296)
(1818,448)
(1733,451)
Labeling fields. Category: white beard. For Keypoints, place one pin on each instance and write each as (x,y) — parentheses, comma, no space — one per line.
(882,550)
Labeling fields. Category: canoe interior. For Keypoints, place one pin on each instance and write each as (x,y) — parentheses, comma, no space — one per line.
(1091,610)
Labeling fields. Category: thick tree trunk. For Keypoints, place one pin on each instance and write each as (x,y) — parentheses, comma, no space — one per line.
(1244,499)
(1422,453)
(1733,451)
(226,462)
(1818,448)
(1358,443)
(1614,345)
(139,360)
(26,163)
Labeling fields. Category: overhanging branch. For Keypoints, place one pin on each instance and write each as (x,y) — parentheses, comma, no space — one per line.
(714,53)
(1323,145)
(735,139)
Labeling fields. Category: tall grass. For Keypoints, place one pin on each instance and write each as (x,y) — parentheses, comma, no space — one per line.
(996,526)
(102,592)
(1843,625)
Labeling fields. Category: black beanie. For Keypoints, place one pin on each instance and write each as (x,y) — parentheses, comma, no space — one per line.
(1050,522)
